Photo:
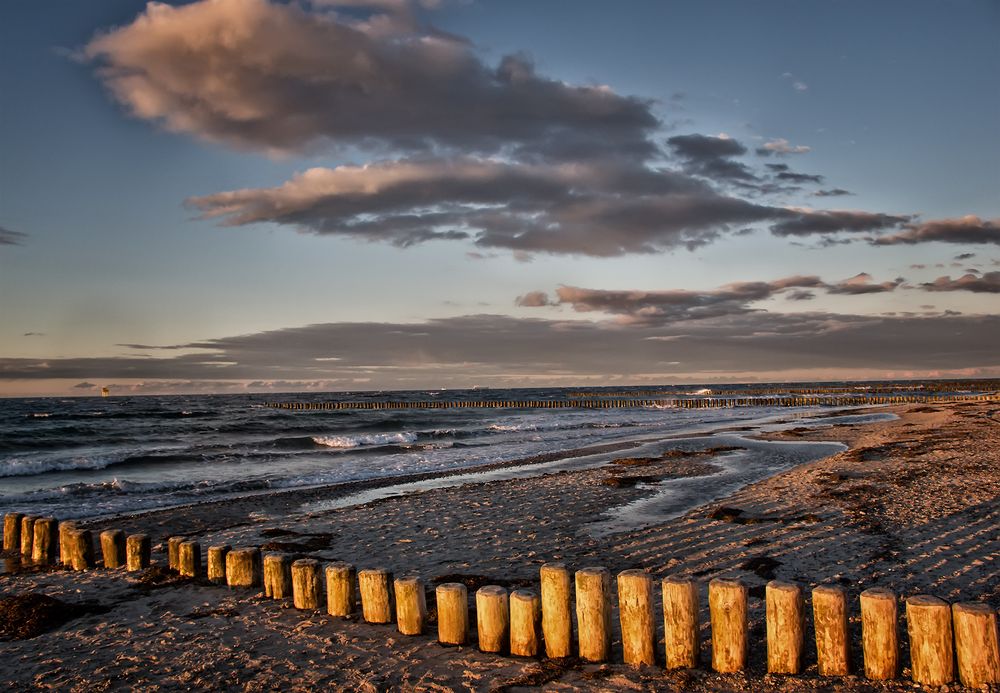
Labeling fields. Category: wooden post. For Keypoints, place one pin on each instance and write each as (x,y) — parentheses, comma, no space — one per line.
(173,548)
(277,576)
(27,534)
(65,528)
(12,531)
(81,549)
(976,644)
(525,616)
(113,548)
(189,559)
(727,604)
(43,547)
(492,618)
(138,548)
(785,608)
(376,601)
(305,583)
(928,623)
(340,579)
(557,623)
(217,563)
(452,613)
(243,568)
(411,605)
(833,652)
(880,633)
(635,610)
(593,613)
(681,638)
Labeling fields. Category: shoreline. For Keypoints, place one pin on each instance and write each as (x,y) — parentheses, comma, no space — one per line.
(911,505)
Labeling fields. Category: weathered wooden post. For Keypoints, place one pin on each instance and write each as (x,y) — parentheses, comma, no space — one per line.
(43,546)
(12,531)
(216,569)
(452,613)
(411,605)
(376,601)
(65,527)
(928,623)
(189,559)
(138,549)
(113,548)
(243,568)
(277,576)
(727,604)
(27,534)
(557,623)
(833,653)
(492,618)
(976,644)
(593,613)
(81,549)
(525,617)
(173,549)
(681,639)
(340,599)
(635,611)
(785,607)
(305,583)
(880,633)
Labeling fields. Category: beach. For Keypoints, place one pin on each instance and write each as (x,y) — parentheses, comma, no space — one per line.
(909,502)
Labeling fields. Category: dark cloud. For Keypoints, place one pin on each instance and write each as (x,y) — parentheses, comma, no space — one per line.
(834,192)
(277,77)
(711,157)
(792,177)
(862,284)
(593,208)
(965,256)
(34,334)
(989,283)
(497,350)
(807,222)
(8,237)
(777,168)
(84,386)
(967,229)
(800,295)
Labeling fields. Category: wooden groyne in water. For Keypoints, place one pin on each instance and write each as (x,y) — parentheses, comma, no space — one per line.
(636,403)
(945,641)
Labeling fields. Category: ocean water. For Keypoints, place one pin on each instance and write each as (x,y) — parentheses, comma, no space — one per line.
(86,457)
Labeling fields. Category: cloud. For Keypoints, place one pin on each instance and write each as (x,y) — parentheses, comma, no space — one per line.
(797,84)
(781,147)
(588,208)
(967,229)
(792,177)
(84,386)
(533,299)
(989,283)
(862,284)
(499,350)
(834,192)
(710,157)
(8,237)
(965,256)
(273,77)
(34,334)
(809,222)
(678,305)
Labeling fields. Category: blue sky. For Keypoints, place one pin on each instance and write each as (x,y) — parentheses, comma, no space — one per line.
(106,251)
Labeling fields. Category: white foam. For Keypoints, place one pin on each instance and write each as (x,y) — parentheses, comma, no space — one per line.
(361,439)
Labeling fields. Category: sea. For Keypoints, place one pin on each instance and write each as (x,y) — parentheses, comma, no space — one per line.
(86,457)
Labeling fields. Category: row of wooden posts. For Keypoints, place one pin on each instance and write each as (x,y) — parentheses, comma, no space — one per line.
(676,403)
(942,637)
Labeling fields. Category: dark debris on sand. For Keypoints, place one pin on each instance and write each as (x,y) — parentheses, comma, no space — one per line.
(24,616)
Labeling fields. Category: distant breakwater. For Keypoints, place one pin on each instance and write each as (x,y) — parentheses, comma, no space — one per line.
(633,403)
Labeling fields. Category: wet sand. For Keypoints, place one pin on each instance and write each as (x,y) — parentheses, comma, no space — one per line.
(912,504)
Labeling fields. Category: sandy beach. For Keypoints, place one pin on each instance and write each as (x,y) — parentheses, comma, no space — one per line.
(912,504)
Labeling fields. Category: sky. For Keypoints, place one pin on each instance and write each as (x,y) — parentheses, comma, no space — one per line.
(336,195)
